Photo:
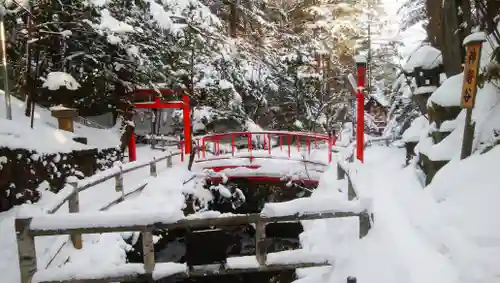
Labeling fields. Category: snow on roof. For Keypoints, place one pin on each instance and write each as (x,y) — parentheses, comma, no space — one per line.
(449,93)
(474,37)
(55,80)
(426,57)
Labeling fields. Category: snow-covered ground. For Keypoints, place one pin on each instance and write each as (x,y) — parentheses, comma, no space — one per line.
(45,136)
(441,233)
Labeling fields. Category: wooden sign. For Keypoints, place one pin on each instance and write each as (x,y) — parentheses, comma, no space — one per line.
(469,88)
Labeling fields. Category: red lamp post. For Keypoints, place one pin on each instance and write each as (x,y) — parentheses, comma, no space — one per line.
(360,125)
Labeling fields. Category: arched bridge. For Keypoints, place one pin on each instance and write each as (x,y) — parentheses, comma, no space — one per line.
(265,155)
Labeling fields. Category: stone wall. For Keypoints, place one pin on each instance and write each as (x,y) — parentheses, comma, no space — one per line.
(22,171)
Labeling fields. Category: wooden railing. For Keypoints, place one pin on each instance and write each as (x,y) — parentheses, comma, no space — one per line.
(29,228)
(71,193)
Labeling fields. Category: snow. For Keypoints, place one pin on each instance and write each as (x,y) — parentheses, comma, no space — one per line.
(475,37)
(45,137)
(242,262)
(55,80)
(424,90)
(417,127)
(164,269)
(14,134)
(59,274)
(426,57)
(295,256)
(449,93)
(109,219)
(108,22)
(313,205)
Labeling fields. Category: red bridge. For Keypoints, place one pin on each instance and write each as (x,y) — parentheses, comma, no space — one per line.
(265,156)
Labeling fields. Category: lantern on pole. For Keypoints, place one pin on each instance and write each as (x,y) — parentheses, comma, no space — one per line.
(360,98)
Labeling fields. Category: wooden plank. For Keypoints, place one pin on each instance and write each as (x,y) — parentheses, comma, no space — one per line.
(26,250)
(148,250)
(91,227)
(123,197)
(260,238)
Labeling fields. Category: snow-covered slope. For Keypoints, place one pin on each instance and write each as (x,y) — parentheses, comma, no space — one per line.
(45,136)
(441,233)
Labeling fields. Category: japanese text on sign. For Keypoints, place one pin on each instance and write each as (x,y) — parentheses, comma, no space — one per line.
(469,88)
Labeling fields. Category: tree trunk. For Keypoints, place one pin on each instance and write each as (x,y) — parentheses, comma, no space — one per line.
(452,38)
(434,26)
(233,21)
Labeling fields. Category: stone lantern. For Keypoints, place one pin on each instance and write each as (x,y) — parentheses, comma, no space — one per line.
(425,65)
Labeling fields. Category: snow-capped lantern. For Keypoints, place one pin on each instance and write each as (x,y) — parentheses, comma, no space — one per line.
(425,65)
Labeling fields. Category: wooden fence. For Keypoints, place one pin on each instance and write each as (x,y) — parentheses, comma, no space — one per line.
(29,228)
(26,232)
(72,196)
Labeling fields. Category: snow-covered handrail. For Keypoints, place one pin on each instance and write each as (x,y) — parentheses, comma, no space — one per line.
(145,223)
(117,172)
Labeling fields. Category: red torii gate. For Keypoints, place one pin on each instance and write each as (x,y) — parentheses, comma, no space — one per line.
(158,104)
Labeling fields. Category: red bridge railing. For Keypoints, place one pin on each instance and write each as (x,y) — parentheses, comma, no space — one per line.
(270,139)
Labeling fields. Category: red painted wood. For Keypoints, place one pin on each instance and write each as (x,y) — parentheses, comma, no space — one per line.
(186,116)
(220,168)
(264,179)
(269,144)
(132,152)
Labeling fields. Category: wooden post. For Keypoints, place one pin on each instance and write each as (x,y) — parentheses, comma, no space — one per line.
(469,90)
(119,181)
(250,140)
(65,117)
(364,224)
(198,148)
(74,207)
(351,194)
(148,250)
(260,245)
(169,161)
(152,168)
(340,172)
(232,144)
(203,148)
(269,144)
(289,145)
(26,250)
(309,145)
